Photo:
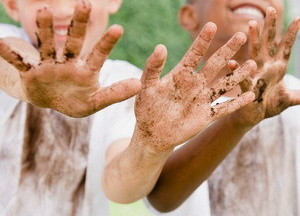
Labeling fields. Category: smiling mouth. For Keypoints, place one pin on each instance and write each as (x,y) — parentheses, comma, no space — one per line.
(249,11)
(61,32)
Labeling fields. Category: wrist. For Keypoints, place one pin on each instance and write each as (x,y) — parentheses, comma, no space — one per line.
(239,123)
(150,147)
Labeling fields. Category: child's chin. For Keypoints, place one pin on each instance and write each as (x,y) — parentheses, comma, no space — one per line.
(60,40)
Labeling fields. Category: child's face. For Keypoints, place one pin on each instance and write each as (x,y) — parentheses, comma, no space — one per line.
(233,15)
(25,11)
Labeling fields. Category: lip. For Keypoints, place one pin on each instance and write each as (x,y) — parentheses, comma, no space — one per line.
(61,26)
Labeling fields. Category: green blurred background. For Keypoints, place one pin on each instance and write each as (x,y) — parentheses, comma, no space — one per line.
(148,23)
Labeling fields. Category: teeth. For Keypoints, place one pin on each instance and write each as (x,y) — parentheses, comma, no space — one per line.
(249,11)
(61,32)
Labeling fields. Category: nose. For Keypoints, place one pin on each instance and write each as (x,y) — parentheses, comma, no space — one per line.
(62,9)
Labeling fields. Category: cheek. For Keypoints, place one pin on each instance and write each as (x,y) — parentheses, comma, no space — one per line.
(29,25)
(98,22)
(28,17)
(216,11)
(96,26)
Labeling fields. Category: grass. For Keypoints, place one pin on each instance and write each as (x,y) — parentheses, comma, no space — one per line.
(134,209)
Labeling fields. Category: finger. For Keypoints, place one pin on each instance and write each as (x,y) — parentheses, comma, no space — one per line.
(231,80)
(154,66)
(12,57)
(232,105)
(269,32)
(116,93)
(286,44)
(199,47)
(254,40)
(295,97)
(246,84)
(77,30)
(45,34)
(103,47)
(233,65)
(220,58)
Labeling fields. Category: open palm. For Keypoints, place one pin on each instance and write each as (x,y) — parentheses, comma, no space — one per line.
(272,96)
(172,109)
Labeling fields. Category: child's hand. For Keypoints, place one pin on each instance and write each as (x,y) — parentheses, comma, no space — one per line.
(176,107)
(68,84)
(272,96)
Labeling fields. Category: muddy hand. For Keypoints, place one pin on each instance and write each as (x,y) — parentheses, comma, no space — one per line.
(272,96)
(68,82)
(172,109)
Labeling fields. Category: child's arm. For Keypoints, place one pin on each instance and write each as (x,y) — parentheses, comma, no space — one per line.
(189,166)
(170,111)
(69,84)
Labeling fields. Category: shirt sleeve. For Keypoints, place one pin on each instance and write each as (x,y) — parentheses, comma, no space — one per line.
(118,120)
(7,30)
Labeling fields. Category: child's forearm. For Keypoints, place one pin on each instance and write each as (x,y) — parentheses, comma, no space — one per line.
(188,167)
(132,172)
